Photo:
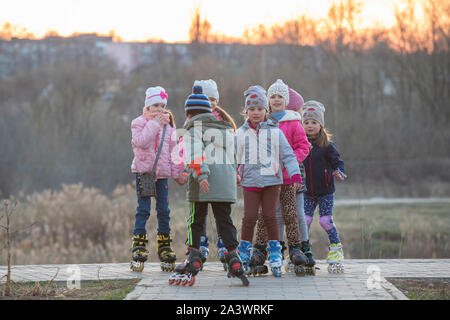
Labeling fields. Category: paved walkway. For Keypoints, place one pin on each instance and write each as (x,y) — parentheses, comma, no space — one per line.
(363,279)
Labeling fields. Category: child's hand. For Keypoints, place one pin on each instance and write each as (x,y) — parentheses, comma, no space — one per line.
(148,114)
(337,175)
(181,179)
(238,180)
(162,118)
(297,186)
(204,185)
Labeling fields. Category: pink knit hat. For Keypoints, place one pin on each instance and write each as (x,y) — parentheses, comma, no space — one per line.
(295,100)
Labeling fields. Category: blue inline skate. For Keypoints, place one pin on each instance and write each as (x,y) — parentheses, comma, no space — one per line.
(244,250)
(275,257)
(204,248)
(221,252)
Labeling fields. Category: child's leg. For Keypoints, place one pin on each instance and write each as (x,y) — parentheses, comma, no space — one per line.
(197,215)
(289,212)
(269,202)
(142,212)
(280,220)
(261,232)
(302,225)
(326,217)
(162,206)
(310,204)
(252,201)
(224,224)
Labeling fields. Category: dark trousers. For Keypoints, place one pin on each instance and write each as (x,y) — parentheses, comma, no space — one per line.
(222,214)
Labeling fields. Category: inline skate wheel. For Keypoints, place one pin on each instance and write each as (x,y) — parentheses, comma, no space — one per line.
(137,266)
(276,271)
(299,271)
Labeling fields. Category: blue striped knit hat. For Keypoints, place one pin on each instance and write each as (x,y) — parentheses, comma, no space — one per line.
(197,101)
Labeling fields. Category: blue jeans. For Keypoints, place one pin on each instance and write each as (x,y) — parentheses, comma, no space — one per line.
(162,209)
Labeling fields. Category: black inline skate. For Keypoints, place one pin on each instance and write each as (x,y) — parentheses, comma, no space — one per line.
(235,266)
(139,252)
(165,253)
(258,259)
(310,265)
(186,271)
(298,259)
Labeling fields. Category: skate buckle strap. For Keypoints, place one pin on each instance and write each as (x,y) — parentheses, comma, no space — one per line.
(138,248)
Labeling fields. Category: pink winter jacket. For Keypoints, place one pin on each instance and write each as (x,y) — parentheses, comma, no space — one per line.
(145,140)
(291,126)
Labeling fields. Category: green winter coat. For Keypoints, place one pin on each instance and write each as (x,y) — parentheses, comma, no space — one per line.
(208,145)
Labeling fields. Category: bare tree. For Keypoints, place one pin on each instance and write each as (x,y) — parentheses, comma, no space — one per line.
(8,213)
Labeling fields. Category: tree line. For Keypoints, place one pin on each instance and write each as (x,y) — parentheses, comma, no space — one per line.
(65,111)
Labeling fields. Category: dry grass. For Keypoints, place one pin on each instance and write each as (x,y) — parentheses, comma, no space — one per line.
(82,225)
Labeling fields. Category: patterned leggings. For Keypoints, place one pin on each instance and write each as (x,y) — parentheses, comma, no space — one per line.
(289,213)
(326,214)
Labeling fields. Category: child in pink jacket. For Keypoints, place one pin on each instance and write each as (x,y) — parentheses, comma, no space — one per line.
(290,123)
(146,135)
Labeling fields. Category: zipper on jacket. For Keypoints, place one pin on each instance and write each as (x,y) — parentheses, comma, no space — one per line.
(326,178)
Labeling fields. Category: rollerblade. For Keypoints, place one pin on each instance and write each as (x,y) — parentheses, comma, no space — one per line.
(244,250)
(186,271)
(204,248)
(298,260)
(274,250)
(257,260)
(165,253)
(310,264)
(221,251)
(289,267)
(235,266)
(139,252)
(335,258)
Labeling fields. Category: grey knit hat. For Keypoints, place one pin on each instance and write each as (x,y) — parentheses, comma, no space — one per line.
(314,110)
(255,96)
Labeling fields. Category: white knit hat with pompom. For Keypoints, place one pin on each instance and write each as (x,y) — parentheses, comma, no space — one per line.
(279,87)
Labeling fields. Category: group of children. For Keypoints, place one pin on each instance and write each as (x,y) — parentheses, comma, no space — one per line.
(282,157)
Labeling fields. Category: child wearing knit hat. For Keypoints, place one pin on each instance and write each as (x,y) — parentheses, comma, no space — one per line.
(261,179)
(289,123)
(210,182)
(322,166)
(151,139)
(210,90)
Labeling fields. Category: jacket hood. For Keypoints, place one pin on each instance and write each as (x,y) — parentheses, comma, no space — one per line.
(270,123)
(210,120)
(291,116)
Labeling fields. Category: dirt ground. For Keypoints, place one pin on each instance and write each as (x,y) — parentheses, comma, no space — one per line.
(89,290)
(423,288)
